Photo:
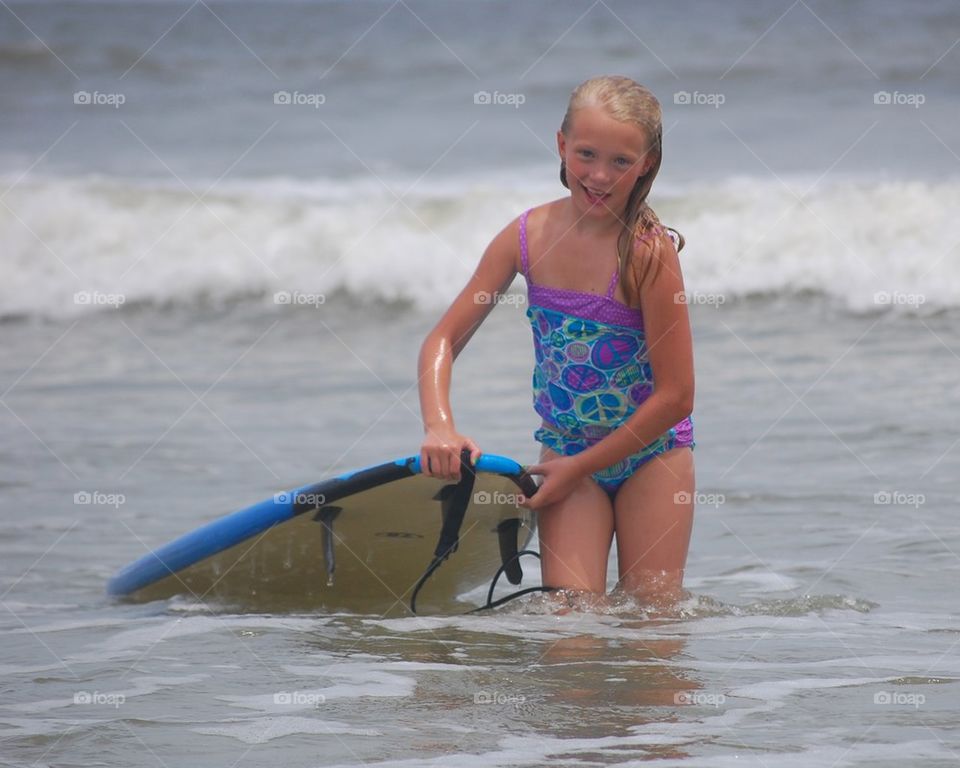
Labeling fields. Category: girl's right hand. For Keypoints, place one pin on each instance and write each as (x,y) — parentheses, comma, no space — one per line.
(440,454)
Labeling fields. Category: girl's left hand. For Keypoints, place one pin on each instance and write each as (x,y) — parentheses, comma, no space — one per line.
(560,477)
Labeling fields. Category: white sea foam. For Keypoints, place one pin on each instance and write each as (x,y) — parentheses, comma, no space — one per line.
(92,244)
(541,750)
(347,679)
(266,729)
(186,626)
(117,695)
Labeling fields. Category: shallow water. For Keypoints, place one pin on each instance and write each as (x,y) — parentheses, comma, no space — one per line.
(816,630)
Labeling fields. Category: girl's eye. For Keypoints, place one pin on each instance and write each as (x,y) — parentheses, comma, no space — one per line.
(586,153)
(622,162)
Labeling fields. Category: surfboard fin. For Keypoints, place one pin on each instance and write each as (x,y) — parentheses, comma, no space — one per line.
(507,533)
(325,516)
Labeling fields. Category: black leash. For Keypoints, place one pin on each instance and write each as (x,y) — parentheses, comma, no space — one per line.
(514,561)
(454,500)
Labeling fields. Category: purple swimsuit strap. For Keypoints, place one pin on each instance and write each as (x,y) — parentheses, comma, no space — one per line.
(613,281)
(523,245)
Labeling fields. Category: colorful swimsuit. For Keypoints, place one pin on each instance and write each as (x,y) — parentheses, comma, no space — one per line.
(592,371)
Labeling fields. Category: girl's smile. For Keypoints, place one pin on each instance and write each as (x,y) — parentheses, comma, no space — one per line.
(594,197)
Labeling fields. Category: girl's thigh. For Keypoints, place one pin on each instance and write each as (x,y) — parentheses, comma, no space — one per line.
(653,512)
(575,536)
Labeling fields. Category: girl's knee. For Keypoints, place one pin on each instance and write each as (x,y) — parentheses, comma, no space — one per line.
(653,588)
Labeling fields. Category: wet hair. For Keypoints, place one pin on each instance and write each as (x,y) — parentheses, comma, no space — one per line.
(627,101)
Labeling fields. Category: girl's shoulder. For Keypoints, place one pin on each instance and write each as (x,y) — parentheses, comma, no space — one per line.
(656,237)
(650,232)
(537,215)
(653,249)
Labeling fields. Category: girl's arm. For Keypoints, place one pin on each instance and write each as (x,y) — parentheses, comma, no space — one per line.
(670,349)
(440,451)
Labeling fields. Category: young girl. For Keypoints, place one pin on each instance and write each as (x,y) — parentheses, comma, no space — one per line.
(609,317)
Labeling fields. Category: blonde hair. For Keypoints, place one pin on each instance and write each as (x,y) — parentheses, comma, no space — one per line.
(626,101)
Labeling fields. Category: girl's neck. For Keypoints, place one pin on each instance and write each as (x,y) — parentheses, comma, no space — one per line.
(600,228)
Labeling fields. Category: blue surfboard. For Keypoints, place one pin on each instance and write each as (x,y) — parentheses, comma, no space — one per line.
(383,539)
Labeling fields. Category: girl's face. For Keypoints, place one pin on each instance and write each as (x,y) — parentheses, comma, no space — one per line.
(604,159)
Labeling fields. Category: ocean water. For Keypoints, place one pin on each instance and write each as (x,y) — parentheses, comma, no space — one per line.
(207,297)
